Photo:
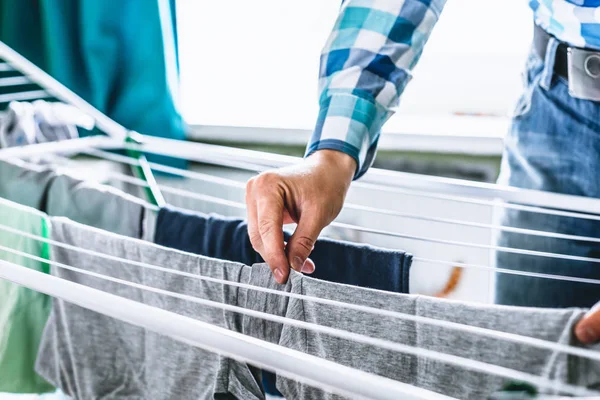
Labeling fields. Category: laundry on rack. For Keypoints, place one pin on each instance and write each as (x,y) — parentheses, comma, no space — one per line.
(336,261)
(56,192)
(23,312)
(78,345)
(25,183)
(26,123)
(553,325)
(89,355)
(94,204)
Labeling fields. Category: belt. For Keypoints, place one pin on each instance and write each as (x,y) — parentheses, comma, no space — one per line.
(579,67)
(540,44)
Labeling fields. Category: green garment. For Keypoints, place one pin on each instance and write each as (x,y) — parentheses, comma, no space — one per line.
(23,312)
(118,55)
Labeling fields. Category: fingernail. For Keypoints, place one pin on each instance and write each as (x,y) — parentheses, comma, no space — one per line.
(307,268)
(278,275)
(586,334)
(297,263)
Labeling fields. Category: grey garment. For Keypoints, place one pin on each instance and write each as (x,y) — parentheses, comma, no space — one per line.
(149,225)
(175,370)
(25,183)
(91,356)
(549,324)
(88,355)
(95,205)
(40,186)
(232,379)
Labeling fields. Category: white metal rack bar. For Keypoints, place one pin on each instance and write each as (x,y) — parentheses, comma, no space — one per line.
(288,363)
(525,340)
(5,67)
(14,81)
(66,146)
(242,206)
(105,155)
(29,95)
(201,152)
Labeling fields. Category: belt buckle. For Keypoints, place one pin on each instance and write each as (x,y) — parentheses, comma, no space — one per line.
(584,73)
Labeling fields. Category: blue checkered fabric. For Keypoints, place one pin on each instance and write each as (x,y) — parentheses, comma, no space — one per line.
(366,63)
(576,22)
(365,66)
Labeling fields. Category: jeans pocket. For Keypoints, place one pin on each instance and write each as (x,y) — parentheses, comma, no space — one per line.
(531,78)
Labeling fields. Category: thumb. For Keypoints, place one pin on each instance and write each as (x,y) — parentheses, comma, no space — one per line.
(588,329)
(302,242)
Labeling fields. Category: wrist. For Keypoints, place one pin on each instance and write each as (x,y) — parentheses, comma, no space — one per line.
(343,163)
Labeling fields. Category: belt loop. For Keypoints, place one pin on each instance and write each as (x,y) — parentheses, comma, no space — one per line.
(548,73)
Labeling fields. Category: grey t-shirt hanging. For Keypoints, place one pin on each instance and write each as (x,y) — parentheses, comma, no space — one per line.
(88,355)
(62,195)
(94,204)
(549,324)
(25,183)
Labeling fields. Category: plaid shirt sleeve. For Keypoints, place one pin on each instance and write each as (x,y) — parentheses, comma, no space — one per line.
(365,66)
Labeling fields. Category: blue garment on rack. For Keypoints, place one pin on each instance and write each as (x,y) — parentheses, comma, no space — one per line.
(120,56)
(336,261)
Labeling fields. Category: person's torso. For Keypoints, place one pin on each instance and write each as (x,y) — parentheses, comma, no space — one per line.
(576,22)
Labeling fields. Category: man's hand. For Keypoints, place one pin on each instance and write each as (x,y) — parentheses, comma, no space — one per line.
(310,194)
(588,329)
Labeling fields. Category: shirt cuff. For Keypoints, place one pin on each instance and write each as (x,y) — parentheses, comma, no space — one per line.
(350,123)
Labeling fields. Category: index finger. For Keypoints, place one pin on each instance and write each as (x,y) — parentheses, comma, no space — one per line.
(270,210)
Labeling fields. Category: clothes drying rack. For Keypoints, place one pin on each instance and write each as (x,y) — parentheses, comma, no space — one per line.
(286,362)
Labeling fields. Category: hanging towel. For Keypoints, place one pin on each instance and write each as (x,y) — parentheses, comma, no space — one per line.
(23,312)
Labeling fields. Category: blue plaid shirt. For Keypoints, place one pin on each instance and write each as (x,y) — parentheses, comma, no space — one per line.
(366,63)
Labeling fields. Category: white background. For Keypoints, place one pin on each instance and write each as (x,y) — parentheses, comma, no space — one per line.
(255,62)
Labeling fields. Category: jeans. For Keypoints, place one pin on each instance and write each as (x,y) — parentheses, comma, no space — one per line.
(553,145)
